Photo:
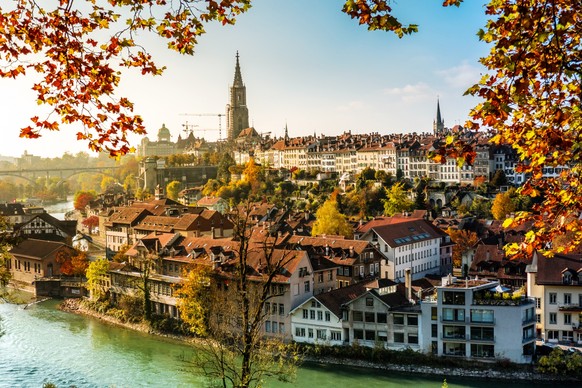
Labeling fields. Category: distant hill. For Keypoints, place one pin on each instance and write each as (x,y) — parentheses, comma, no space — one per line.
(9,159)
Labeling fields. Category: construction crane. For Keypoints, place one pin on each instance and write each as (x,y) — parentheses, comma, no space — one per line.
(188,128)
(219,115)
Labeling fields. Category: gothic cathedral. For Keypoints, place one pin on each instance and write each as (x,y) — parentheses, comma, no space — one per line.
(237,113)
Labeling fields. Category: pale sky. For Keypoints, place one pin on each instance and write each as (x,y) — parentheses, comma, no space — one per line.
(305,64)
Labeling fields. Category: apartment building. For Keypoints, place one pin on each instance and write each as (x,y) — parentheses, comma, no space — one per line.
(470,319)
(556,285)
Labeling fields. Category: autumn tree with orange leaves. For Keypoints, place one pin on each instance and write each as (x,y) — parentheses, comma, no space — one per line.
(72,263)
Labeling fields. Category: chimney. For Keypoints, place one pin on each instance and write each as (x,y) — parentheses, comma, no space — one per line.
(408,283)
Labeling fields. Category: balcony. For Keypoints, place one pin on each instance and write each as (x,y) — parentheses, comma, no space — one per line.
(483,339)
(453,337)
(570,307)
(483,323)
(503,301)
(454,321)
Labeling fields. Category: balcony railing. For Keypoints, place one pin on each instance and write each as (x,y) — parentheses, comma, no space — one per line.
(570,307)
(454,321)
(453,337)
(488,340)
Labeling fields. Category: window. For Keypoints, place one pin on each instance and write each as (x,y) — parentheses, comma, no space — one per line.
(567,319)
(281,328)
(482,316)
(305,314)
(320,277)
(335,335)
(274,309)
(433,313)
(412,338)
(320,315)
(399,337)
(369,302)
(382,336)
(358,334)
(553,298)
(296,289)
(306,286)
(553,318)
(370,335)
(310,333)
(330,275)
(412,320)
(361,270)
(482,351)
(567,335)
(281,309)
(369,316)
(539,318)
(321,334)
(381,317)
(453,297)
(398,319)
(300,332)
(327,316)
(267,307)
(538,303)
(482,333)
(268,326)
(434,330)
(357,316)
(567,299)
(455,332)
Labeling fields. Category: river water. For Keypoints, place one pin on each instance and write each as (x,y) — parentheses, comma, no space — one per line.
(43,344)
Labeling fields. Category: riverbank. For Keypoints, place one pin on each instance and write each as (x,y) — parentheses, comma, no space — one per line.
(479,371)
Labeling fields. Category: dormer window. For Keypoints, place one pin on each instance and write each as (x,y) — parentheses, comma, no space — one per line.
(567,277)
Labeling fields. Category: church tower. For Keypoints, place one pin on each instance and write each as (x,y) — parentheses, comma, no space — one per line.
(237,114)
(438,126)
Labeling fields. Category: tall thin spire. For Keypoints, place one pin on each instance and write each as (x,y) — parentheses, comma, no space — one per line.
(438,126)
(438,114)
(237,75)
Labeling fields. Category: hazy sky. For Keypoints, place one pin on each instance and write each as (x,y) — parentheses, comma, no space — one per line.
(304,63)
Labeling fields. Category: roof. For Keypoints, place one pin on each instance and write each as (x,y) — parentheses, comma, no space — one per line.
(407,232)
(550,270)
(33,248)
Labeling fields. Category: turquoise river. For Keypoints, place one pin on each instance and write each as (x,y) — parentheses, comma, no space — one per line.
(41,344)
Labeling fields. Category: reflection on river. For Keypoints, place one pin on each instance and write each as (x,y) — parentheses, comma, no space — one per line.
(43,344)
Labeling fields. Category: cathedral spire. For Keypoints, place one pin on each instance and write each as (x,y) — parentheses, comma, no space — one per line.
(438,125)
(237,75)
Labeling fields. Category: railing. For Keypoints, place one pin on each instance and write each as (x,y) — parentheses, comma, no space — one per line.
(483,323)
(528,320)
(483,339)
(454,321)
(453,337)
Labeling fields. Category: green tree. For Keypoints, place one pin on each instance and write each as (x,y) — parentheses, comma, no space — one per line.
(97,279)
(173,189)
(397,200)
(193,295)
(329,220)
(223,171)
